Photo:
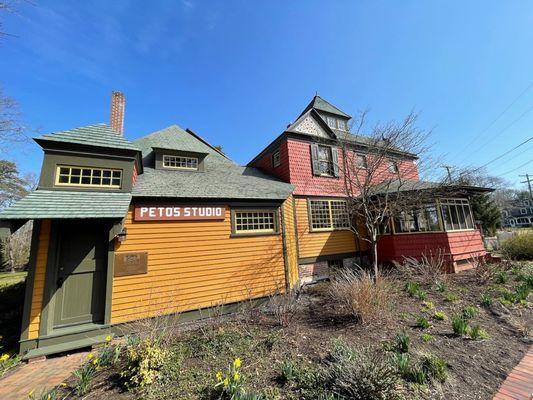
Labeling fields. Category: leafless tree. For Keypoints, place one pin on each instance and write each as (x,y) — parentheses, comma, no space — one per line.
(379,175)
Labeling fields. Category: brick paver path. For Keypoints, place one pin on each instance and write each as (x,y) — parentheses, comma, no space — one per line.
(519,383)
(39,376)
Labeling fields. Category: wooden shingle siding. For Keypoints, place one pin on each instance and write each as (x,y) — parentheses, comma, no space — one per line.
(314,244)
(38,283)
(195,264)
(465,244)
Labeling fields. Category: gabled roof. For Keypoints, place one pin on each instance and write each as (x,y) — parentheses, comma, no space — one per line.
(221,178)
(172,138)
(319,104)
(99,135)
(47,204)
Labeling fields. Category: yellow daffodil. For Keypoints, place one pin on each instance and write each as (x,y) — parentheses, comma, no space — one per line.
(237,363)
(226,382)
(90,355)
(219,376)
(4,357)
(95,361)
(49,397)
(236,376)
(108,338)
(63,384)
(31,393)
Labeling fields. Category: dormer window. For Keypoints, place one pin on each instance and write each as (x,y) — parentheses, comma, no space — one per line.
(336,123)
(180,162)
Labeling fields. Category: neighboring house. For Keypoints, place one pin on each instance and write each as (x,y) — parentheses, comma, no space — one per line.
(306,155)
(518,215)
(167,223)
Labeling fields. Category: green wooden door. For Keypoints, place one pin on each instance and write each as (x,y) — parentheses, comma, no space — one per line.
(81,273)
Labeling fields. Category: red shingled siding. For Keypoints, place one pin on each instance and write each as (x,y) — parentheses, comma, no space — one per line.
(265,162)
(301,173)
(459,245)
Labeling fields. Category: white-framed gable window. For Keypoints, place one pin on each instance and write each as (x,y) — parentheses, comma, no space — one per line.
(88,176)
(180,162)
(276,159)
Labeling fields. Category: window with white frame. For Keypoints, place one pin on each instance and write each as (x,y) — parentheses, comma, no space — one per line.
(523,211)
(393,166)
(341,124)
(276,159)
(180,162)
(456,214)
(361,161)
(328,215)
(88,176)
(255,221)
(325,160)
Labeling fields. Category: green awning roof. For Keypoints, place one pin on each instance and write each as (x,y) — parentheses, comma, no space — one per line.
(51,204)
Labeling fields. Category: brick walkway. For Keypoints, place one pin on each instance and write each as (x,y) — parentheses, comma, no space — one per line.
(519,383)
(39,376)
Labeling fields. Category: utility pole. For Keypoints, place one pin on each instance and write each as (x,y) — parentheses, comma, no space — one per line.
(528,181)
(448,169)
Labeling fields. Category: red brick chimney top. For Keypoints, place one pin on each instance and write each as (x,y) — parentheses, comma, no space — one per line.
(118,106)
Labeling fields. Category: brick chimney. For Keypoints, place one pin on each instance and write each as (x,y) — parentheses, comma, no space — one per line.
(116,119)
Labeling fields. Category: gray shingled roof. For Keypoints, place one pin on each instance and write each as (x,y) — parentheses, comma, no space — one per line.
(222,178)
(439,187)
(172,137)
(318,103)
(100,135)
(45,204)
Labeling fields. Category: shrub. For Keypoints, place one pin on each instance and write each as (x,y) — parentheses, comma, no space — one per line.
(402,343)
(144,360)
(426,337)
(501,277)
(422,323)
(358,294)
(284,307)
(477,333)
(459,325)
(519,247)
(469,312)
(451,297)
(363,373)
(486,300)
(435,368)
(430,267)
(440,316)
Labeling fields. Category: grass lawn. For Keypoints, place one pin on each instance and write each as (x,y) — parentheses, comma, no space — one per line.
(457,338)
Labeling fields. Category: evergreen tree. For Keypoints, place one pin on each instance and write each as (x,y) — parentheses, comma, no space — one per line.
(487,212)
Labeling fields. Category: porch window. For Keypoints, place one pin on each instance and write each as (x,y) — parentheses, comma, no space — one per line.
(180,162)
(328,215)
(255,221)
(89,177)
(456,214)
(421,219)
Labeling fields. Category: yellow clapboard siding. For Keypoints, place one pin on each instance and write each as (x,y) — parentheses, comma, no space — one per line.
(38,283)
(314,244)
(194,264)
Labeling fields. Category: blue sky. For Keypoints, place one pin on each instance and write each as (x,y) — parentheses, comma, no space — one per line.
(237,72)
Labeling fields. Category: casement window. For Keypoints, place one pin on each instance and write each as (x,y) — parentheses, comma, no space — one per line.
(324,160)
(276,159)
(88,177)
(421,219)
(456,214)
(255,221)
(393,166)
(361,161)
(180,162)
(328,215)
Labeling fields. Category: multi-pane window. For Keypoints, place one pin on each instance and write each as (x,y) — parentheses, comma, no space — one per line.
(361,161)
(325,164)
(328,215)
(421,219)
(276,159)
(255,221)
(87,176)
(180,162)
(456,214)
(393,166)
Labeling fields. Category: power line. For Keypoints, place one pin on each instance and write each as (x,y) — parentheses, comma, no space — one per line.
(504,154)
(517,168)
(500,115)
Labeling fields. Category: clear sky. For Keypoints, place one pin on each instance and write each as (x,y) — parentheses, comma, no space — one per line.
(237,72)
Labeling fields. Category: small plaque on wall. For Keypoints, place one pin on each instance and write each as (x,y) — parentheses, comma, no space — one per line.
(132,263)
